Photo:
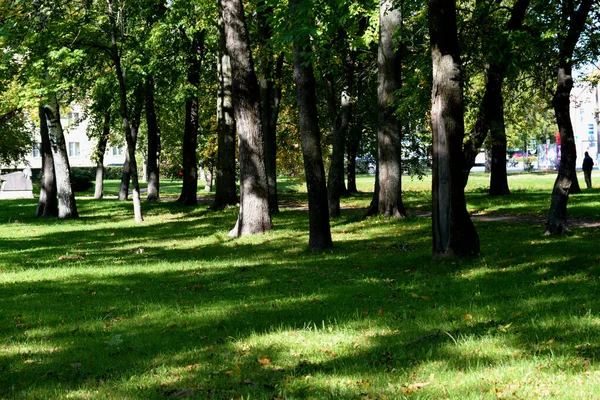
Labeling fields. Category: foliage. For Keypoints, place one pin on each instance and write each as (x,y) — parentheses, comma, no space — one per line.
(81,179)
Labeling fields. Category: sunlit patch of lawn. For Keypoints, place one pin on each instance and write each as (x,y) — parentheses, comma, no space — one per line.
(102,307)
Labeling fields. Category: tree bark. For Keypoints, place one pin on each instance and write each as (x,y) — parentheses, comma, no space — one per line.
(189,189)
(566,181)
(352,145)
(254,216)
(491,109)
(133,122)
(129,127)
(389,135)
(100,150)
(225,193)
(48,202)
(453,230)
(339,120)
(306,99)
(153,163)
(498,176)
(270,98)
(67,207)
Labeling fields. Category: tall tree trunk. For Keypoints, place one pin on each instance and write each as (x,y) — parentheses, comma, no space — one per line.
(100,150)
(189,189)
(153,169)
(453,230)
(129,127)
(491,112)
(566,181)
(48,202)
(389,135)
(225,193)
(133,122)
(352,145)
(254,216)
(498,176)
(270,97)
(338,120)
(306,99)
(67,207)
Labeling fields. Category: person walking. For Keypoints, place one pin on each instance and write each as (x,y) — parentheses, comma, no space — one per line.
(588,165)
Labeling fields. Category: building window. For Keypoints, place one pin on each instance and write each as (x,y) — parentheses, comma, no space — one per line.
(117,151)
(36,150)
(74,149)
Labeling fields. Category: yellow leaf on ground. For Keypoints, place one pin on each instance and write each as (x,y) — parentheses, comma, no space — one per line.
(264,361)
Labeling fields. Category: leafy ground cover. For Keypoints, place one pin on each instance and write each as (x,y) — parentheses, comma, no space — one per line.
(102,308)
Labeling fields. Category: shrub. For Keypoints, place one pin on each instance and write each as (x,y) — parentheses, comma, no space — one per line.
(81,179)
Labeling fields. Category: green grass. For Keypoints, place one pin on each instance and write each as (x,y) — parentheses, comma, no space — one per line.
(103,308)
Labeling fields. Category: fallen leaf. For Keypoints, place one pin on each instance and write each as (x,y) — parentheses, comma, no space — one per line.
(467,316)
(417,386)
(230,373)
(380,312)
(264,361)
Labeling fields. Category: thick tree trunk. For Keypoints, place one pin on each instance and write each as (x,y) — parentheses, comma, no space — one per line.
(62,170)
(225,193)
(270,97)
(338,120)
(153,166)
(189,189)
(254,216)
(566,181)
(389,135)
(318,209)
(100,150)
(453,230)
(48,202)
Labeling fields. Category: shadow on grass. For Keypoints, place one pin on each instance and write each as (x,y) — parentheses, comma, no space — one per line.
(201,314)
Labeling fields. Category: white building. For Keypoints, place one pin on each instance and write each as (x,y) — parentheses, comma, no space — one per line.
(585,109)
(79,147)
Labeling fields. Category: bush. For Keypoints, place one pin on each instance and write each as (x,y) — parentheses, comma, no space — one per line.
(113,172)
(81,179)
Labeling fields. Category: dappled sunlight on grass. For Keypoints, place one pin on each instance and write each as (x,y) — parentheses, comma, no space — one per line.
(104,308)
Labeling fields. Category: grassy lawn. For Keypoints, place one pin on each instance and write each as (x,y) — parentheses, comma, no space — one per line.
(100,307)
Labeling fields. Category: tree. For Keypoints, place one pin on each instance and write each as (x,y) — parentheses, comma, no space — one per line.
(130,125)
(153,172)
(497,56)
(67,207)
(271,66)
(189,188)
(254,216)
(225,193)
(306,99)
(48,202)
(389,137)
(453,230)
(572,25)
(99,156)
